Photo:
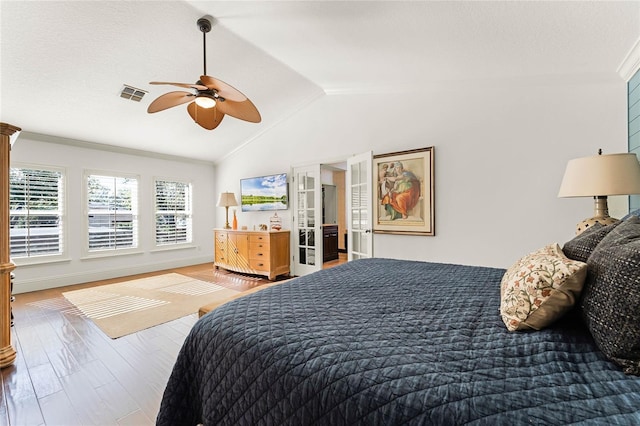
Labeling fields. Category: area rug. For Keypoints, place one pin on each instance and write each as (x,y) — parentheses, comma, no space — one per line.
(130,306)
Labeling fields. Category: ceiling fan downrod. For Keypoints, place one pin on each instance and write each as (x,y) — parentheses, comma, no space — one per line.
(204,25)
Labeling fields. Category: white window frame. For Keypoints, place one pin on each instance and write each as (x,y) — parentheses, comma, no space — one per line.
(188,212)
(62,255)
(111,251)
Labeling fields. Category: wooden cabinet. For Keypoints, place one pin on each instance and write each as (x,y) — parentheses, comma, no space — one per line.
(8,133)
(252,252)
(330,242)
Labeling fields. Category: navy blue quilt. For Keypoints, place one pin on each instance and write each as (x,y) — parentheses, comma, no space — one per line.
(390,342)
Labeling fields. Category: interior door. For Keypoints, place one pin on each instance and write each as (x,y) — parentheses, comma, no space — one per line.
(307,217)
(359,206)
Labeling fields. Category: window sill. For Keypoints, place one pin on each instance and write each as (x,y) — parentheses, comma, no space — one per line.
(110,253)
(171,247)
(36,260)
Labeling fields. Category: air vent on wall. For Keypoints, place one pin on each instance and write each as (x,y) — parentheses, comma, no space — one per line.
(129,92)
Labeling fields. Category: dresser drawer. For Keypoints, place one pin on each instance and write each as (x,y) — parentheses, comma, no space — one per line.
(262,248)
(258,238)
(260,264)
(259,254)
(220,256)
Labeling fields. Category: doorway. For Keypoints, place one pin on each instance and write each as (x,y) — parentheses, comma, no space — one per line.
(332,211)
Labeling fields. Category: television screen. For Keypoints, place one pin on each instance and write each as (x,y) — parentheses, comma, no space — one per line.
(264,193)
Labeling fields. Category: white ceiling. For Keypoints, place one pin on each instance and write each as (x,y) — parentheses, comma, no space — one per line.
(63,63)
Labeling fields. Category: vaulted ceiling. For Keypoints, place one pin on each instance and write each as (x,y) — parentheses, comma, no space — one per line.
(64,63)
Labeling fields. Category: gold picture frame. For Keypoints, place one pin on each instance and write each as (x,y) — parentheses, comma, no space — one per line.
(404,192)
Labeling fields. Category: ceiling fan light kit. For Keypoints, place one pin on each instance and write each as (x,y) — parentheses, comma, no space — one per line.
(213,98)
(205,101)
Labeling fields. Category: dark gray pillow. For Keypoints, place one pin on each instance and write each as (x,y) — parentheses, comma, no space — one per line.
(611,296)
(581,246)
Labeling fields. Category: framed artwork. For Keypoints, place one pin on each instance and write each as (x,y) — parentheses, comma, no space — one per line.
(404,192)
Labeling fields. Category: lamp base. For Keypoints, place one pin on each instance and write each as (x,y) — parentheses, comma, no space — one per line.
(226,217)
(600,215)
(588,223)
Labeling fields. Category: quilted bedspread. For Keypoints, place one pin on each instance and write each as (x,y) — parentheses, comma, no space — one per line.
(390,342)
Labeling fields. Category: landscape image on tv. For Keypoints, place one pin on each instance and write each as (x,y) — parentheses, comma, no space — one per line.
(264,193)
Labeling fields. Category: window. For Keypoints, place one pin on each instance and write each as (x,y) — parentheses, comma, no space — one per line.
(36,212)
(112,205)
(172,212)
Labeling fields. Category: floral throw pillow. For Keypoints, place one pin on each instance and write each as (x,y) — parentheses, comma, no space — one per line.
(540,288)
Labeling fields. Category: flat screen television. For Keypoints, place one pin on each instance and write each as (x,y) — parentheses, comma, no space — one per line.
(264,193)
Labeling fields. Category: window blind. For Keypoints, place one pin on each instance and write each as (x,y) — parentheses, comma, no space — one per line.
(112,212)
(36,212)
(173,219)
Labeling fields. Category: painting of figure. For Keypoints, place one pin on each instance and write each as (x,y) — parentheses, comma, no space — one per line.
(405,192)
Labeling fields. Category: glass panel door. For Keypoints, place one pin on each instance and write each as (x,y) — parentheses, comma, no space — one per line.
(359,207)
(307,217)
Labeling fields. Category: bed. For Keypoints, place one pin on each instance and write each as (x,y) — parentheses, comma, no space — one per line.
(389,342)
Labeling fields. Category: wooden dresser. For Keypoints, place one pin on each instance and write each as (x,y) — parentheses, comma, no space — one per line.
(252,252)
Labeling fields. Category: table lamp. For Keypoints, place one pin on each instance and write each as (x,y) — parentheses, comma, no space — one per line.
(600,176)
(226,200)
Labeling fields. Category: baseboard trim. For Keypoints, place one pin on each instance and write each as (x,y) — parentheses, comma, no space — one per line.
(37,284)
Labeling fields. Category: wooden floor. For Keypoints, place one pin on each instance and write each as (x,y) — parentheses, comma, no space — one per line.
(68,372)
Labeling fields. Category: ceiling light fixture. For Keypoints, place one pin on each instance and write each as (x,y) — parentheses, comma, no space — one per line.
(205,101)
(213,98)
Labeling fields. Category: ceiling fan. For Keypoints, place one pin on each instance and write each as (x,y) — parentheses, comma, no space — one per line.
(212,99)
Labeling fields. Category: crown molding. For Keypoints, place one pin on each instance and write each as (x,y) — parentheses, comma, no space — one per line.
(631,63)
(109,148)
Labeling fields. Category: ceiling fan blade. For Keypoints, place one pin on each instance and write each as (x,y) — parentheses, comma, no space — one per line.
(185,85)
(243,110)
(209,118)
(225,90)
(169,100)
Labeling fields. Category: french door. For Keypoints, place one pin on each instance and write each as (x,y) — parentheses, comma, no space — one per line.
(306,222)
(359,206)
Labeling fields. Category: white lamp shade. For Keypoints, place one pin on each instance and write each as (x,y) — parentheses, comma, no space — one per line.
(601,175)
(227,199)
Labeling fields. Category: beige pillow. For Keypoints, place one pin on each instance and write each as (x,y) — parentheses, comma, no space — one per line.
(540,288)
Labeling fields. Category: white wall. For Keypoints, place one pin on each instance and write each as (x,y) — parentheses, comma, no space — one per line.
(75,160)
(500,154)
